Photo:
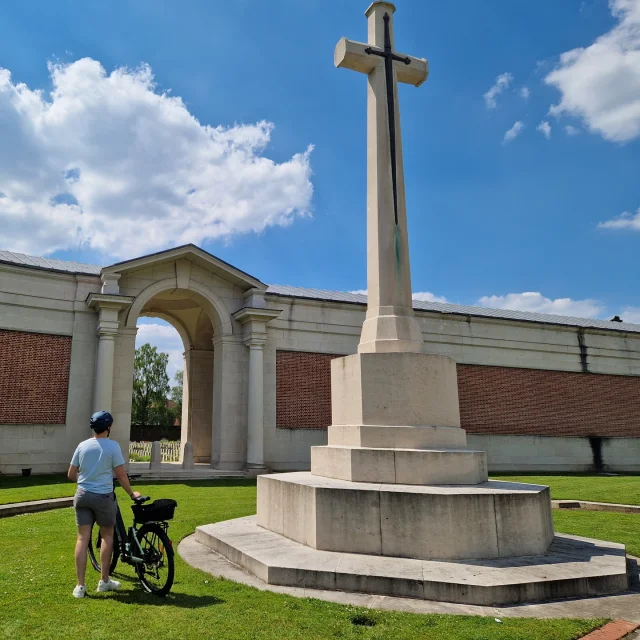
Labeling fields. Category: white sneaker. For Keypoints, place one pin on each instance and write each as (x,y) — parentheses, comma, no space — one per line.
(80,591)
(110,585)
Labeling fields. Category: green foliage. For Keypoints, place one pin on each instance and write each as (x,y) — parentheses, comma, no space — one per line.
(37,576)
(150,387)
(176,395)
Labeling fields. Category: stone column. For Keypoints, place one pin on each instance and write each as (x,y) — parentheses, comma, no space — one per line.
(103,390)
(255,408)
(254,321)
(108,306)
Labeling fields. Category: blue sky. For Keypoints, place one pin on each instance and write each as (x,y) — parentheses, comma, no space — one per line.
(111,165)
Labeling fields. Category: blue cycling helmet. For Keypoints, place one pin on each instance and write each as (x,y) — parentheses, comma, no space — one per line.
(101,421)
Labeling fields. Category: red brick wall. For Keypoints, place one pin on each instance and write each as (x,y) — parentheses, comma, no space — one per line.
(303,390)
(34,377)
(500,400)
(504,400)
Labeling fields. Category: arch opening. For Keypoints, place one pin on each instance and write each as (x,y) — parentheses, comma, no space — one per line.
(196,317)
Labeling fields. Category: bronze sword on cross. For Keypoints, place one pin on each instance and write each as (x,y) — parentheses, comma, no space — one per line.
(389,56)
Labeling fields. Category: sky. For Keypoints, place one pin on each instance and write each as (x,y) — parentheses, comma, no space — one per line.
(127,128)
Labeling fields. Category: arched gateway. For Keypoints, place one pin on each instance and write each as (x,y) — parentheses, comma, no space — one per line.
(219,312)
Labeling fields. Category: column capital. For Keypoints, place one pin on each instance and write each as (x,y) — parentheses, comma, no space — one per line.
(101,301)
(255,315)
(107,332)
(108,307)
(255,340)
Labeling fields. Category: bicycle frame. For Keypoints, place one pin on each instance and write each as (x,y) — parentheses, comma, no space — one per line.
(126,544)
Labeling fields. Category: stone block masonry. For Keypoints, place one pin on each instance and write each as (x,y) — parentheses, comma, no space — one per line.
(34,377)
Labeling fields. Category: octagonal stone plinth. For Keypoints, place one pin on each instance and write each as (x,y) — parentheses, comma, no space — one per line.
(488,520)
(571,567)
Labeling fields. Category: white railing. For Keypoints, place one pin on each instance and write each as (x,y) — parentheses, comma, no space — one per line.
(141,451)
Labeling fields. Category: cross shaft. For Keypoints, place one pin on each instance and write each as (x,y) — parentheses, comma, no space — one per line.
(390,325)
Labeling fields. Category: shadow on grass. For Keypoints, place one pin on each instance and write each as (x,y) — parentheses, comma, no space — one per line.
(182,600)
(173,599)
(214,482)
(15,482)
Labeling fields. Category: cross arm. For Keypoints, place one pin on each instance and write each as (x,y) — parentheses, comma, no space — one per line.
(351,55)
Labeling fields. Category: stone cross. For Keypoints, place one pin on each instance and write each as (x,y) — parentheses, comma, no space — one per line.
(390,325)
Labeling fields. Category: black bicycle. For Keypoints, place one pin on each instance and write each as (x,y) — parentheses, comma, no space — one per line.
(146,545)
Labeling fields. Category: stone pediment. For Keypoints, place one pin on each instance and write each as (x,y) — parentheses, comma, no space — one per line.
(194,254)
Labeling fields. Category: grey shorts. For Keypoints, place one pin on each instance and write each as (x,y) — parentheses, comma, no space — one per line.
(95,507)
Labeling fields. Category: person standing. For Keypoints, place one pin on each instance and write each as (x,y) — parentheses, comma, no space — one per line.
(92,467)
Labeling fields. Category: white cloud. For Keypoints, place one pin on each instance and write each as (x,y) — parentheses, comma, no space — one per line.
(524,92)
(163,336)
(601,83)
(631,314)
(107,162)
(514,132)
(571,130)
(545,129)
(502,82)
(423,296)
(536,302)
(625,220)
(426,296)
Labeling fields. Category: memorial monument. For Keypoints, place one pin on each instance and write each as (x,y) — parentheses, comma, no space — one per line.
(395,503)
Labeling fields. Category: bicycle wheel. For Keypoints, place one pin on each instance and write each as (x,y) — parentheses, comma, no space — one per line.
(95,543)
(157,571)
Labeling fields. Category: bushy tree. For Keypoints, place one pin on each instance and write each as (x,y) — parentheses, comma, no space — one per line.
(176,395)
(150,387)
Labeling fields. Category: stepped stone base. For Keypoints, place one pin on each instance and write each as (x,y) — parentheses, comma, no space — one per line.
(401,466)
(572,567)
(389,437)
(488,520)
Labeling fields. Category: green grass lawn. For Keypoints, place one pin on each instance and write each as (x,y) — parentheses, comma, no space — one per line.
(19,489)
(620,489)
(37,577)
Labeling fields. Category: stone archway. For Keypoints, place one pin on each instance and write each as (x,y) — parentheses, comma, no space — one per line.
(199,316)
(221,310)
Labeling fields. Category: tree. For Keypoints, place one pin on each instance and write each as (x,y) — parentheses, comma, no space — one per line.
(150,387)
(176,395)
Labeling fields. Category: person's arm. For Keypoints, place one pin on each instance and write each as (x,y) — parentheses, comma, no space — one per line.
(74,466)
(121,474)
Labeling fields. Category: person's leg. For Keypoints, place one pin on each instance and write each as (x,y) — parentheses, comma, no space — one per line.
(106,549)
(105,510)
(82,544)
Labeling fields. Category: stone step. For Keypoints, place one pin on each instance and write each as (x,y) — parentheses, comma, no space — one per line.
(572,567)
(400,466)
(404,437)
(489,520)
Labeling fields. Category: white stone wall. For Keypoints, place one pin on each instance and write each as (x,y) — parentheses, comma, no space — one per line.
(52,303)
(330,327)
(55,303)
(551,454)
